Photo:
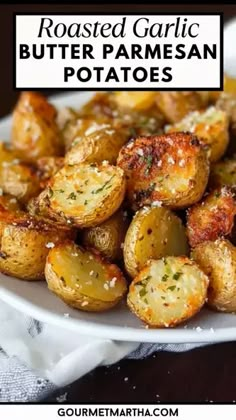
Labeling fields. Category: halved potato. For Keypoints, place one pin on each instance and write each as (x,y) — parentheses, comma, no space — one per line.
(176,105)
(211,126)
(223,173)
(83,195)
(154,232)
(171,168)
(96,140)
(34,131)
(218,260)
(108,237)
(213,217)
(84,279)
(24,244)
(168,291)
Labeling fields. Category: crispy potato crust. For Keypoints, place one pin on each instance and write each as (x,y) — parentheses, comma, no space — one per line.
(218,260)
(171,168)
(34,131)
(211,126)
(168,291)
(154,232)
(212,218)
(84,279)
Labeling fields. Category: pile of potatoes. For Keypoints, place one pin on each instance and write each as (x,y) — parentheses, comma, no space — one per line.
(132,196)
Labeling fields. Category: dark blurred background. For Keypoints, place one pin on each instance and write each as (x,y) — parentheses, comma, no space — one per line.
(7,94)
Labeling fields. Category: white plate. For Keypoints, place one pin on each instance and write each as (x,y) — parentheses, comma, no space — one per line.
(33,298)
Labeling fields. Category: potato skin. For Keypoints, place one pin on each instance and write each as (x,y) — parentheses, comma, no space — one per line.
(154,232)
(109,236)
(211,126)
(218,260)
(168,291)
(85,280)
(23,246)
(176,105)
(212,218)
(34,131)
(171,168)
(96,140)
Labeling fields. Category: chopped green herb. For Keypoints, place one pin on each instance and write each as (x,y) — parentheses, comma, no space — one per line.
(50,192)
(86,182)
(165,277)
(71,196)
(96,275)
(85,202)
(63,280)
(103,187)
(177,275)
(143,292)
(145,300)
(148,160)
(79,191)
(163,298)
(172,288)
(217,194)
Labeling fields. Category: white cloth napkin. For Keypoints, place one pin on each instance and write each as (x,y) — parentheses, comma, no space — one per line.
(36,358)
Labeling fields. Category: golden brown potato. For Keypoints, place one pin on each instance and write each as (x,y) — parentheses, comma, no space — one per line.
(138,101)
(84,279)
(171,168)
(17,178)
(227,103)
(108,238)
(176,105)
(34,131)
(211,126)
(212,218)
(82,195)
(218,260)
(154,232)
(168,291)
(223,173)
(100,140)
(24,244)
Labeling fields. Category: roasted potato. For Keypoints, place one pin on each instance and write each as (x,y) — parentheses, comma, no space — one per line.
(212,126)
(47,167)
(84,279)
(154,232)
(34,130)
(223,173)
(227,103)
(108,238)
(101,140)
(16,178)
(213,217)
(168,291)
(138,101)
(171,168)
(176,105)
(82,195)
(24,244)
(218,260)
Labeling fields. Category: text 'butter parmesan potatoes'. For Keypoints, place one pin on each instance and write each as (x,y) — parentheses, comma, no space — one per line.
(34,131)
(108,237)
(24,244)
(84,195)
(218,260)
(154,232)
(211,126)
(84,279)
(213,217)
(168,291)
(171,168)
